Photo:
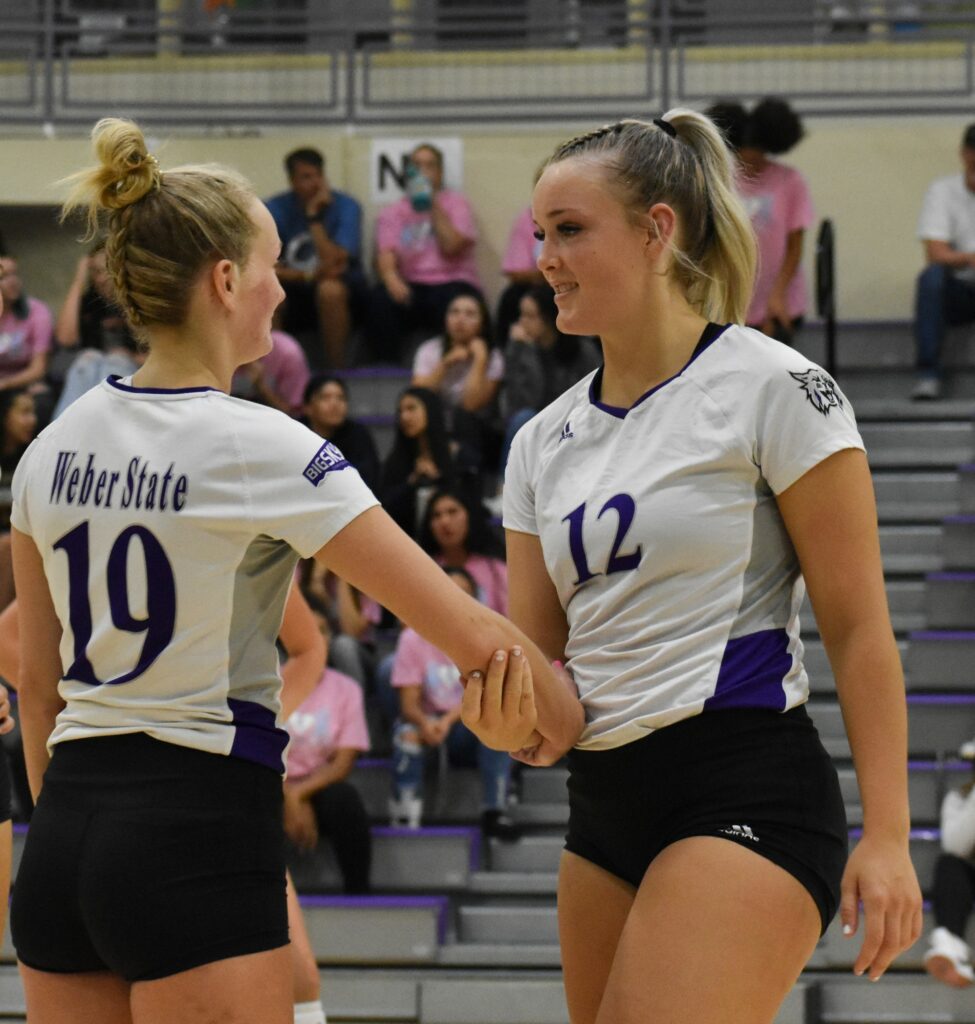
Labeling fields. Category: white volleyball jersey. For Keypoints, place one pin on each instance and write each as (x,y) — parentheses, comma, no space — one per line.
(661,533)
(170,523)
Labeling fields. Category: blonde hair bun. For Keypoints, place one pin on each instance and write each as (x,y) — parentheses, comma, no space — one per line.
(128,171)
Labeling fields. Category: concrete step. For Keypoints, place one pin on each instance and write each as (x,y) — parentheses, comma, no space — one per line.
(916,497)
(958,542)
(519,1000)
(897,999)
(941,659)
(937,725)
(911,549)
(426,859)
(450,796)
(905,598)
(949,600)
(361,930)
(894,384)
(818,668)
(375,390)
(966,488)
(918,444)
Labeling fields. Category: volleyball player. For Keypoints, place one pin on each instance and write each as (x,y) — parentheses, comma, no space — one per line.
(157,524)
(658,517)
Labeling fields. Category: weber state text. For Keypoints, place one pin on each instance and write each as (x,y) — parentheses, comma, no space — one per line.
(78,481)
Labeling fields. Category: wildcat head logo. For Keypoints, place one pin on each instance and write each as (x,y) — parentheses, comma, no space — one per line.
(820,389)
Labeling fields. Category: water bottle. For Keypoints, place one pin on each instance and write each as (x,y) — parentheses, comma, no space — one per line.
(418,189)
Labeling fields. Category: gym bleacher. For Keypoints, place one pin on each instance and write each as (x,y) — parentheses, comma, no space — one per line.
(460,929)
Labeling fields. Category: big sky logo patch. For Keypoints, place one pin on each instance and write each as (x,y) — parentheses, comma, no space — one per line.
(327,459)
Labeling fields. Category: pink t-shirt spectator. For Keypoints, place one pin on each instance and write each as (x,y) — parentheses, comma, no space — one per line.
(778,202)
(330,718)
(491,577)
(428,357)
(523,247)
(21,340)
(418,663)
(410,235)
(285,372)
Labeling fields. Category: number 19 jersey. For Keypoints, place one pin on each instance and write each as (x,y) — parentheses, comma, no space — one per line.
(660,530)
(170,524)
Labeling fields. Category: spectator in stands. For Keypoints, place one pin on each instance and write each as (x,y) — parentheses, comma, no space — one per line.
(26,330)
(328,731)
(519,266)
(424,256)
(277,379)
(780,206)
(430,692)
(93,338)
(420,458)
(945,293)
(949,958)
(465,369)
(458,535)
(540,361)
(321,235)
(326,409)
(18,427)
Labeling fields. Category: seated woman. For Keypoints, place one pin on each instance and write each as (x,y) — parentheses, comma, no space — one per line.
(328,730)
(949,958)
(93,338)
(456,534)
(463,368)
(18,427)
(326,411)
(25,332)
(419,461)
(540,362)
(430,692)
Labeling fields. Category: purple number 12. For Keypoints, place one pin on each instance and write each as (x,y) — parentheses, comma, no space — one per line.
(625,508)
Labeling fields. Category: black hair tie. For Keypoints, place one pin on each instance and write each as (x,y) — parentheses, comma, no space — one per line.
(666,126)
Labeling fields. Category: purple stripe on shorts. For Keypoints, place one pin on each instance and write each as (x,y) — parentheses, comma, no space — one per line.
(752,671)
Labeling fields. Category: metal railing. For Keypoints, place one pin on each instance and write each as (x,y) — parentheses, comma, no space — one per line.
(199,62)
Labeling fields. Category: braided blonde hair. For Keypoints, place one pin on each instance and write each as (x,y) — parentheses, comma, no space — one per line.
(691,170)
(161,228)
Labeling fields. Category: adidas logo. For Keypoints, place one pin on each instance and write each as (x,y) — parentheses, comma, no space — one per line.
(566,432)
(740,832)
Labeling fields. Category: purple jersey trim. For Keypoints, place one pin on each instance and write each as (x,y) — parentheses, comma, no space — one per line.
(257,737)
(752,671)
(116,382)
(709,336)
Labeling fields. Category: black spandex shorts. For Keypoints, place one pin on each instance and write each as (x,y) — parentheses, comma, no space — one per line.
(145,859)
(757,778)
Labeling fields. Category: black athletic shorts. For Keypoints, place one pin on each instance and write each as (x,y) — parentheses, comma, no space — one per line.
(146,858)
(757,778)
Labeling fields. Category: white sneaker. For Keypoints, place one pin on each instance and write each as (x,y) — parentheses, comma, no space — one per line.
(949,959)
(406,812)
(926,389)
(967,750)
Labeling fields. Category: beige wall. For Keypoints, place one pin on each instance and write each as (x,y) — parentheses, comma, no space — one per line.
(867,174)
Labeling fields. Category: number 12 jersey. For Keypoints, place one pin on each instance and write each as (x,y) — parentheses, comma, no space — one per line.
(660,530)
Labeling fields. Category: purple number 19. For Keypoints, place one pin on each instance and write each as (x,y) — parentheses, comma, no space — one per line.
(625,508)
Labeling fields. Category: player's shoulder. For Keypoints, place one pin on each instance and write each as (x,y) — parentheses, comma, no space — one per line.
(744,357)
